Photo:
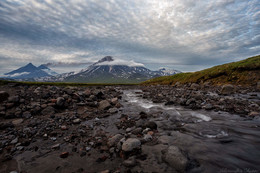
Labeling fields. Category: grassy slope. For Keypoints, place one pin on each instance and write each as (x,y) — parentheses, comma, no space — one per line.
(245,72)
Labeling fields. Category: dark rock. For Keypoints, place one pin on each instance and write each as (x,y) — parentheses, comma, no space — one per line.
(27,114)
(151,124)
(169,103)
(3,96)
(143,115)
(83,153)
(227,89)
(60,102)
(101,159)
(4,126)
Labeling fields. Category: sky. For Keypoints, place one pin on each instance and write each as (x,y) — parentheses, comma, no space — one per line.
(184,35)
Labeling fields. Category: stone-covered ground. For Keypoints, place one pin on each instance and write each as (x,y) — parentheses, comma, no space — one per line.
(89,129)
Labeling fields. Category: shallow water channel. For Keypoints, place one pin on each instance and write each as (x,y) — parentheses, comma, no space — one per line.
(219,141)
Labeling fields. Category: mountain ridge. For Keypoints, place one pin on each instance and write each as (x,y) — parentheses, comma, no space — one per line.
(29,72)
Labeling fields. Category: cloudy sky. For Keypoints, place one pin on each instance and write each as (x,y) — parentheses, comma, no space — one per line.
(185,35)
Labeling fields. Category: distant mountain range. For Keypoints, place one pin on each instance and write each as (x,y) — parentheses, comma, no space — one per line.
(30,72)
(106,70)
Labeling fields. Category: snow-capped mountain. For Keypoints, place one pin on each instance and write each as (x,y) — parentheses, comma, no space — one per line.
(167,72)
(110,70)
(29,72)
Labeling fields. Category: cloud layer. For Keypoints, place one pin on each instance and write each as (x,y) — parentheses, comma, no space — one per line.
(187,35)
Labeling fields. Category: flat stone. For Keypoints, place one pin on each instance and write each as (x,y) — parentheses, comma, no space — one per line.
(77,121)
(17,121)
(254,114)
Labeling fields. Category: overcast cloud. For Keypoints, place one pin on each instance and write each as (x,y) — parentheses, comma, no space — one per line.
(186,35)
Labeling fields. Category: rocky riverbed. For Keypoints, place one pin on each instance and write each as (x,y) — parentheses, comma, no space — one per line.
(188,128)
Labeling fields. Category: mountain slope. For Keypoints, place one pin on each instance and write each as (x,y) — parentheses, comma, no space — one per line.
(109,70)
(29,71)
(245,72)
(47,70)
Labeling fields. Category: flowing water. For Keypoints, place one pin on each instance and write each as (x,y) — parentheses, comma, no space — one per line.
(219,141)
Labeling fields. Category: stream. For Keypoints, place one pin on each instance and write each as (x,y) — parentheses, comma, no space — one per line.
(219,141)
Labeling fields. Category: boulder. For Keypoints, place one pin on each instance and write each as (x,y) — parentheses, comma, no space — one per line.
(227,89)
(131,144)
(114,140)
(151,124)
(3,96)
(175,158)
(60,101)
(104,105)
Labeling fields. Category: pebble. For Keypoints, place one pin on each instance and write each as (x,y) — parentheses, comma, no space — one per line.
(64,154)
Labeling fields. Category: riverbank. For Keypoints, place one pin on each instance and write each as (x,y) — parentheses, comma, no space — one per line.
(128,128)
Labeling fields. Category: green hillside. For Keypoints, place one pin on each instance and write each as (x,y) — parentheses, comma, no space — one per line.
(245,72)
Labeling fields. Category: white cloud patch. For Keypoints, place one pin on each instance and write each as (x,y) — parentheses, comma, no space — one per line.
(117,61)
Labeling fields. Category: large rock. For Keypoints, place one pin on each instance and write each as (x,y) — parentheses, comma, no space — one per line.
(227,89)
(114,140)
(3,96)
(104,105)
(175,158)
(60,101)
(131,144)
(151,124)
